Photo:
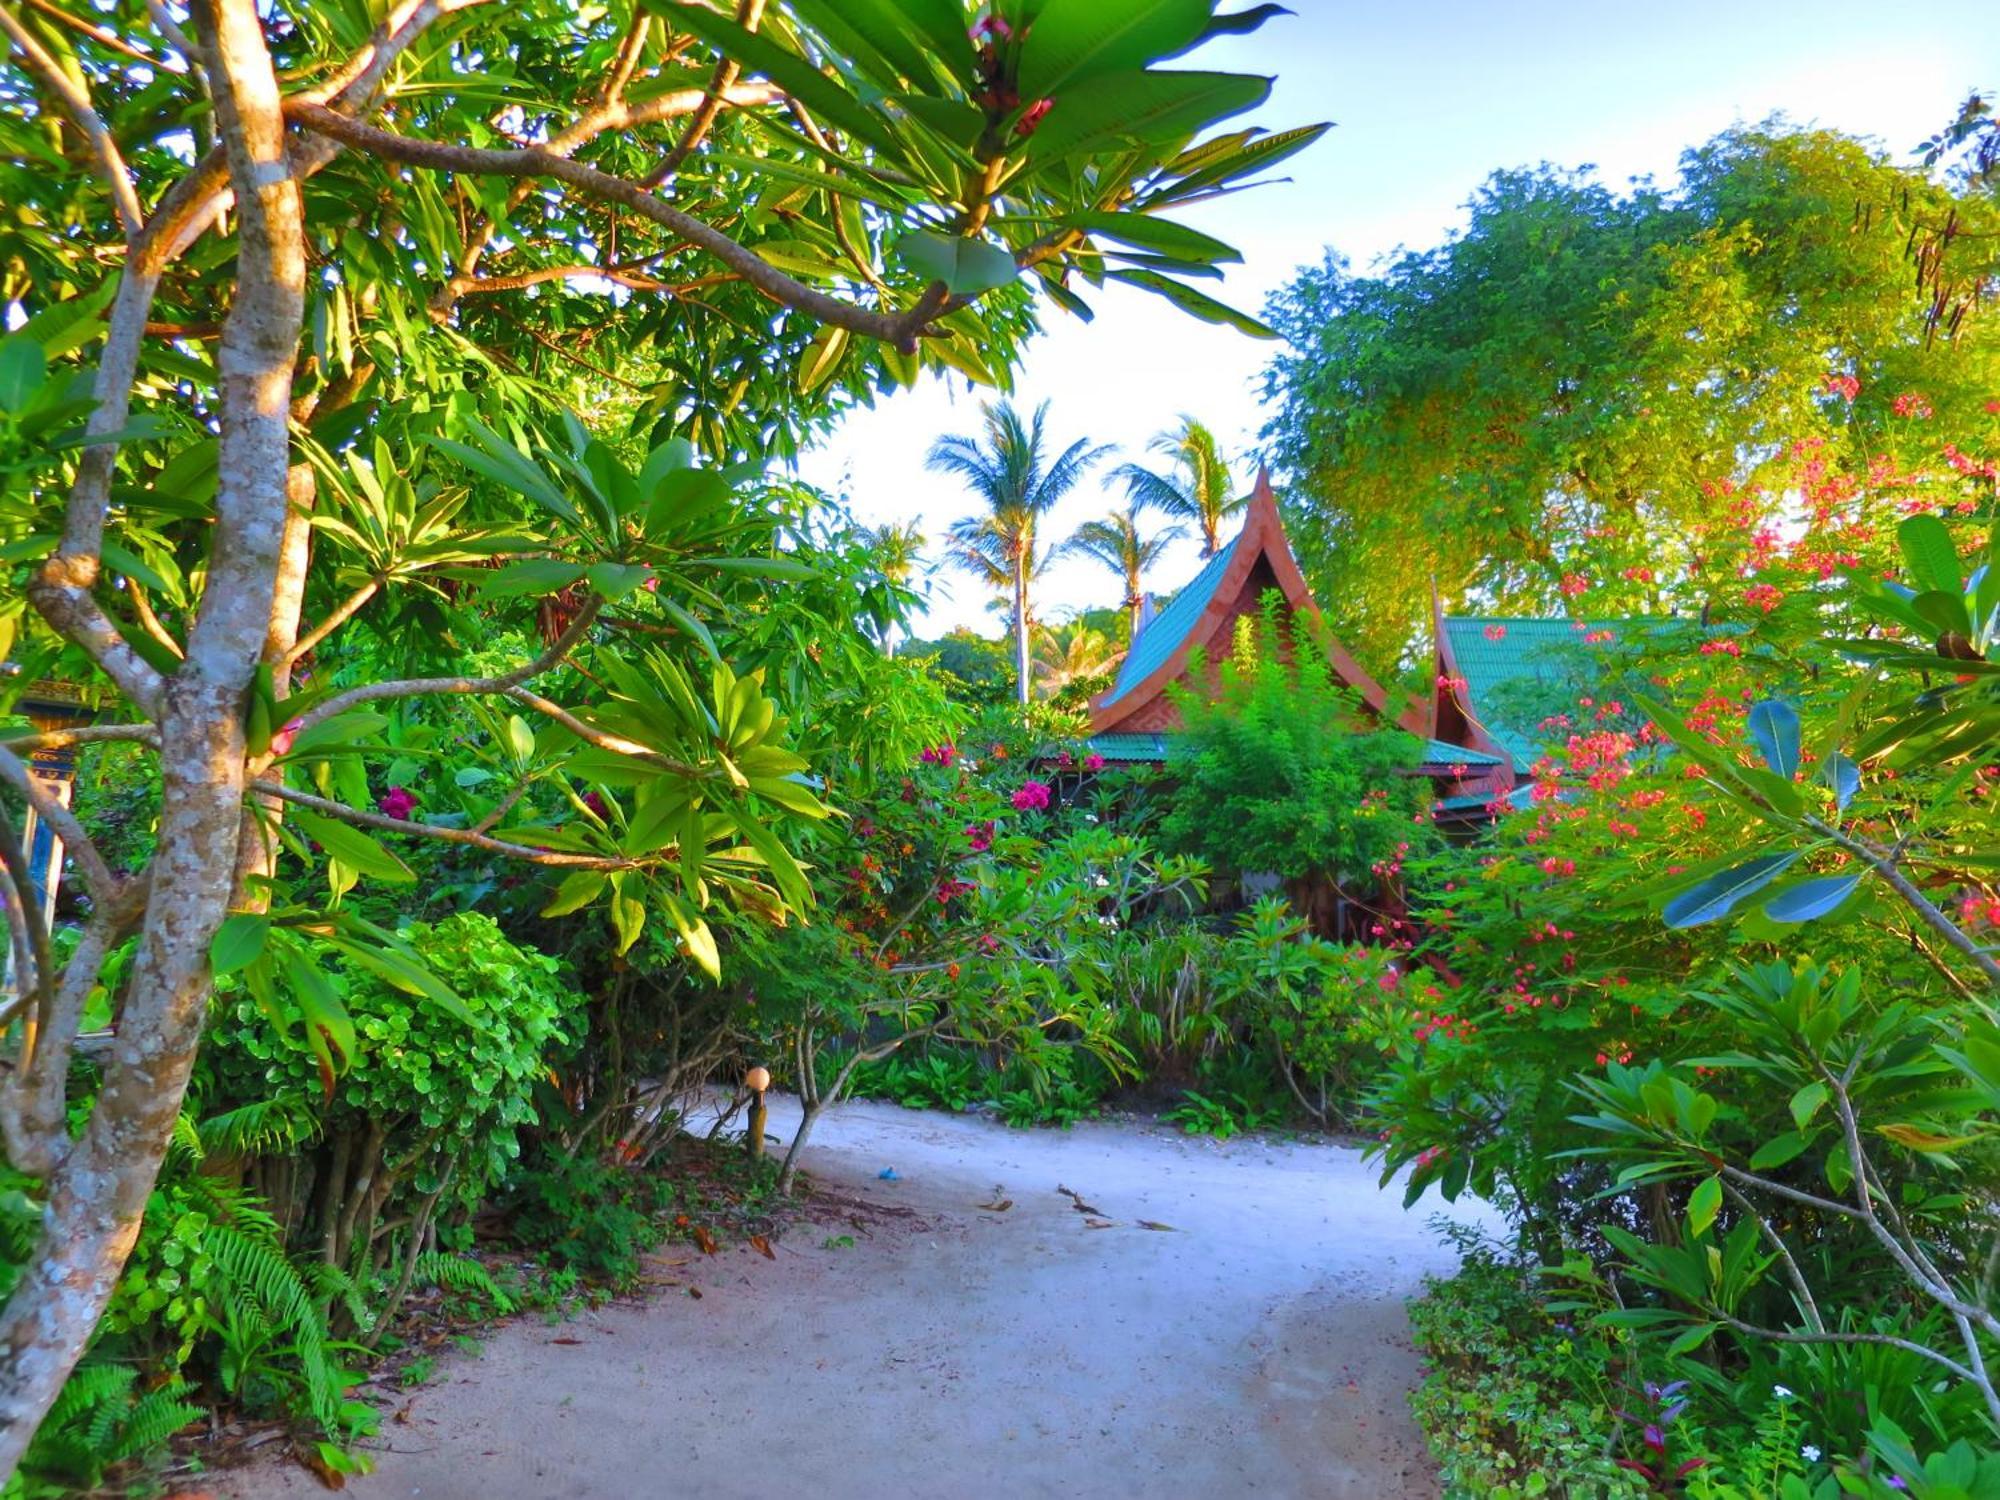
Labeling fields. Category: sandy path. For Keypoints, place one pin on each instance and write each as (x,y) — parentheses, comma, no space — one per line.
(1256,1349)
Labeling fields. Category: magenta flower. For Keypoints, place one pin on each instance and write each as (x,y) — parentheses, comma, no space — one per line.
(1033,797)
(940,755)
(979,836)
(597,805)
(397,803)
(281,742)
(1093,762)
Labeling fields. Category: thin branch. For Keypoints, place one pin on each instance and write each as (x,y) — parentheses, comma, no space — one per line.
(591,735)
(899,329)
(76,104)
(150,622)
(346,610)
(1883,863)
(748,14)
(416,687)
(35,968)
(364,818)
(105,37)
(84,734)
(96,873)
(1777,1241)
(1780,1336)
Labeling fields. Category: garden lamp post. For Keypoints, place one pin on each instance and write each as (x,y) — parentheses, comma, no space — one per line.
(756,1080)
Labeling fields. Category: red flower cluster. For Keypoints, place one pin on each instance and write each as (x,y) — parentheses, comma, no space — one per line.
(1847,387)
(979,836)
(940,755)
(1033,797)
(397,802)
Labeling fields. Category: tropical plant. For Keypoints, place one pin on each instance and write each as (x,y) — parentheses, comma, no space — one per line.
(1018,484)
(1197,487)
(1072,658)
(1118,543)
(805,211)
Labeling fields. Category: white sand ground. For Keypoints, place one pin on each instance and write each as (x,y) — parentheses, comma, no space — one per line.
(1257,1347)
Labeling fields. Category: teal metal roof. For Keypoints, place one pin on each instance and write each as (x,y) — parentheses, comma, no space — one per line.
(1163,634)
(1156,748)
(1519,648)
(1131,747)
(1444,753)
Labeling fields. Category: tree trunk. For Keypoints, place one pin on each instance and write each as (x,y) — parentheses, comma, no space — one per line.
(97,1195)
(1021,626)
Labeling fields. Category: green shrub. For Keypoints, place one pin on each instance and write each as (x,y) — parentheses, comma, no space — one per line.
(586,1215)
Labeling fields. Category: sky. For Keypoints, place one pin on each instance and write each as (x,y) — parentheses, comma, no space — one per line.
(1427,100)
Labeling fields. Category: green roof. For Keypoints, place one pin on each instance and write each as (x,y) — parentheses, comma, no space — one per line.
(1156,747)
(1515,649)
(1163,633)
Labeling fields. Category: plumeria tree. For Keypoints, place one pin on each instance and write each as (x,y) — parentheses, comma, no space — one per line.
(243,239)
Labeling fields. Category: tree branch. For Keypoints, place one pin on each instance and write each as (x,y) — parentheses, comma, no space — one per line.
(364,818)
(76,104)
(105,37)
(1883,863)
(900,329)
(96,873)
(748,14)
(415,687)
(346,610)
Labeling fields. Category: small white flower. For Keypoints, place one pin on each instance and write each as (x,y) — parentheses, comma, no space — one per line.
(1783,1393)
(1809,1453)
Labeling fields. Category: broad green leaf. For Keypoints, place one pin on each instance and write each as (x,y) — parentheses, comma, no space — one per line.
(1717,896)
(966,266)
(357,850)
(1774,725)
(239,942)
(23,368)
(1149,108)
(538,575)
(1199,304)
(1704,1203)
(1150,232)
(1812,898)
(1075,40)
(1806,1103)
(578,889)
(1930,554)
(613,581)
(1778,1150)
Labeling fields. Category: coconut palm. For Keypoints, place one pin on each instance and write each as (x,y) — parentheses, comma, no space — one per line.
(1071,654)
(1119,544)
(1016,482)
(1196,487)
(897,553)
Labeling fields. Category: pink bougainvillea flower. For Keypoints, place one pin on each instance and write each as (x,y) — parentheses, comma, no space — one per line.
(397,802)
(979,836)
(940,755)
(1093,762)
(1033,797)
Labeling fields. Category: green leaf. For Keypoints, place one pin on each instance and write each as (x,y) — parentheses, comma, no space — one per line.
(1073,40)
(1843,776)
(1807,1102)
(23,368)
(1198,304)
(329,1029)
(1150,232)
(615,580)
(821,358)
(1930,554)
(1718,895)
(538,575)
(966,266)
(1152,108)
(353,848)
(504,464)
(1774,725)
(578,889)
(628,912)
(1812,898)
(1778,1150)
(239,942)
(1704,1203)
(1203,171)
(758,52)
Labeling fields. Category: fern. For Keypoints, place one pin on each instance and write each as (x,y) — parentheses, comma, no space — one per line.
(257,1268)
(461,1273)
(260,1129)
(95,1424)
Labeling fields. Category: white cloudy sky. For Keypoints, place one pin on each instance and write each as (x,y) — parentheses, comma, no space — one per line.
(1428,99)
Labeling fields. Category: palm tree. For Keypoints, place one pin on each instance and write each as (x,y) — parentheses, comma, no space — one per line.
(896,551)
(1117,542)
(1196,487)
(1071,654)
(1018,485)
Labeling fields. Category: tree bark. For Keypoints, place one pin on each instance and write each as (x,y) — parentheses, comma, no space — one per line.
(97,1196)
(1021,626)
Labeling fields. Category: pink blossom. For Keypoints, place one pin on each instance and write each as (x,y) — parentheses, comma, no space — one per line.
(1093,762)
(1033,797)
(281,742)
(397,803)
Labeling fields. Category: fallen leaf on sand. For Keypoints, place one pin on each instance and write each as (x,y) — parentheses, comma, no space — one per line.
(1156,1224)
(1076,1201)
(763,1247)
(706,1240)
(695,1292)
(565,1341)
(1099,1224)
(999,1205)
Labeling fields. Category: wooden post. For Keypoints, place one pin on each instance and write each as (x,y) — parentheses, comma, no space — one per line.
(757,1080)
